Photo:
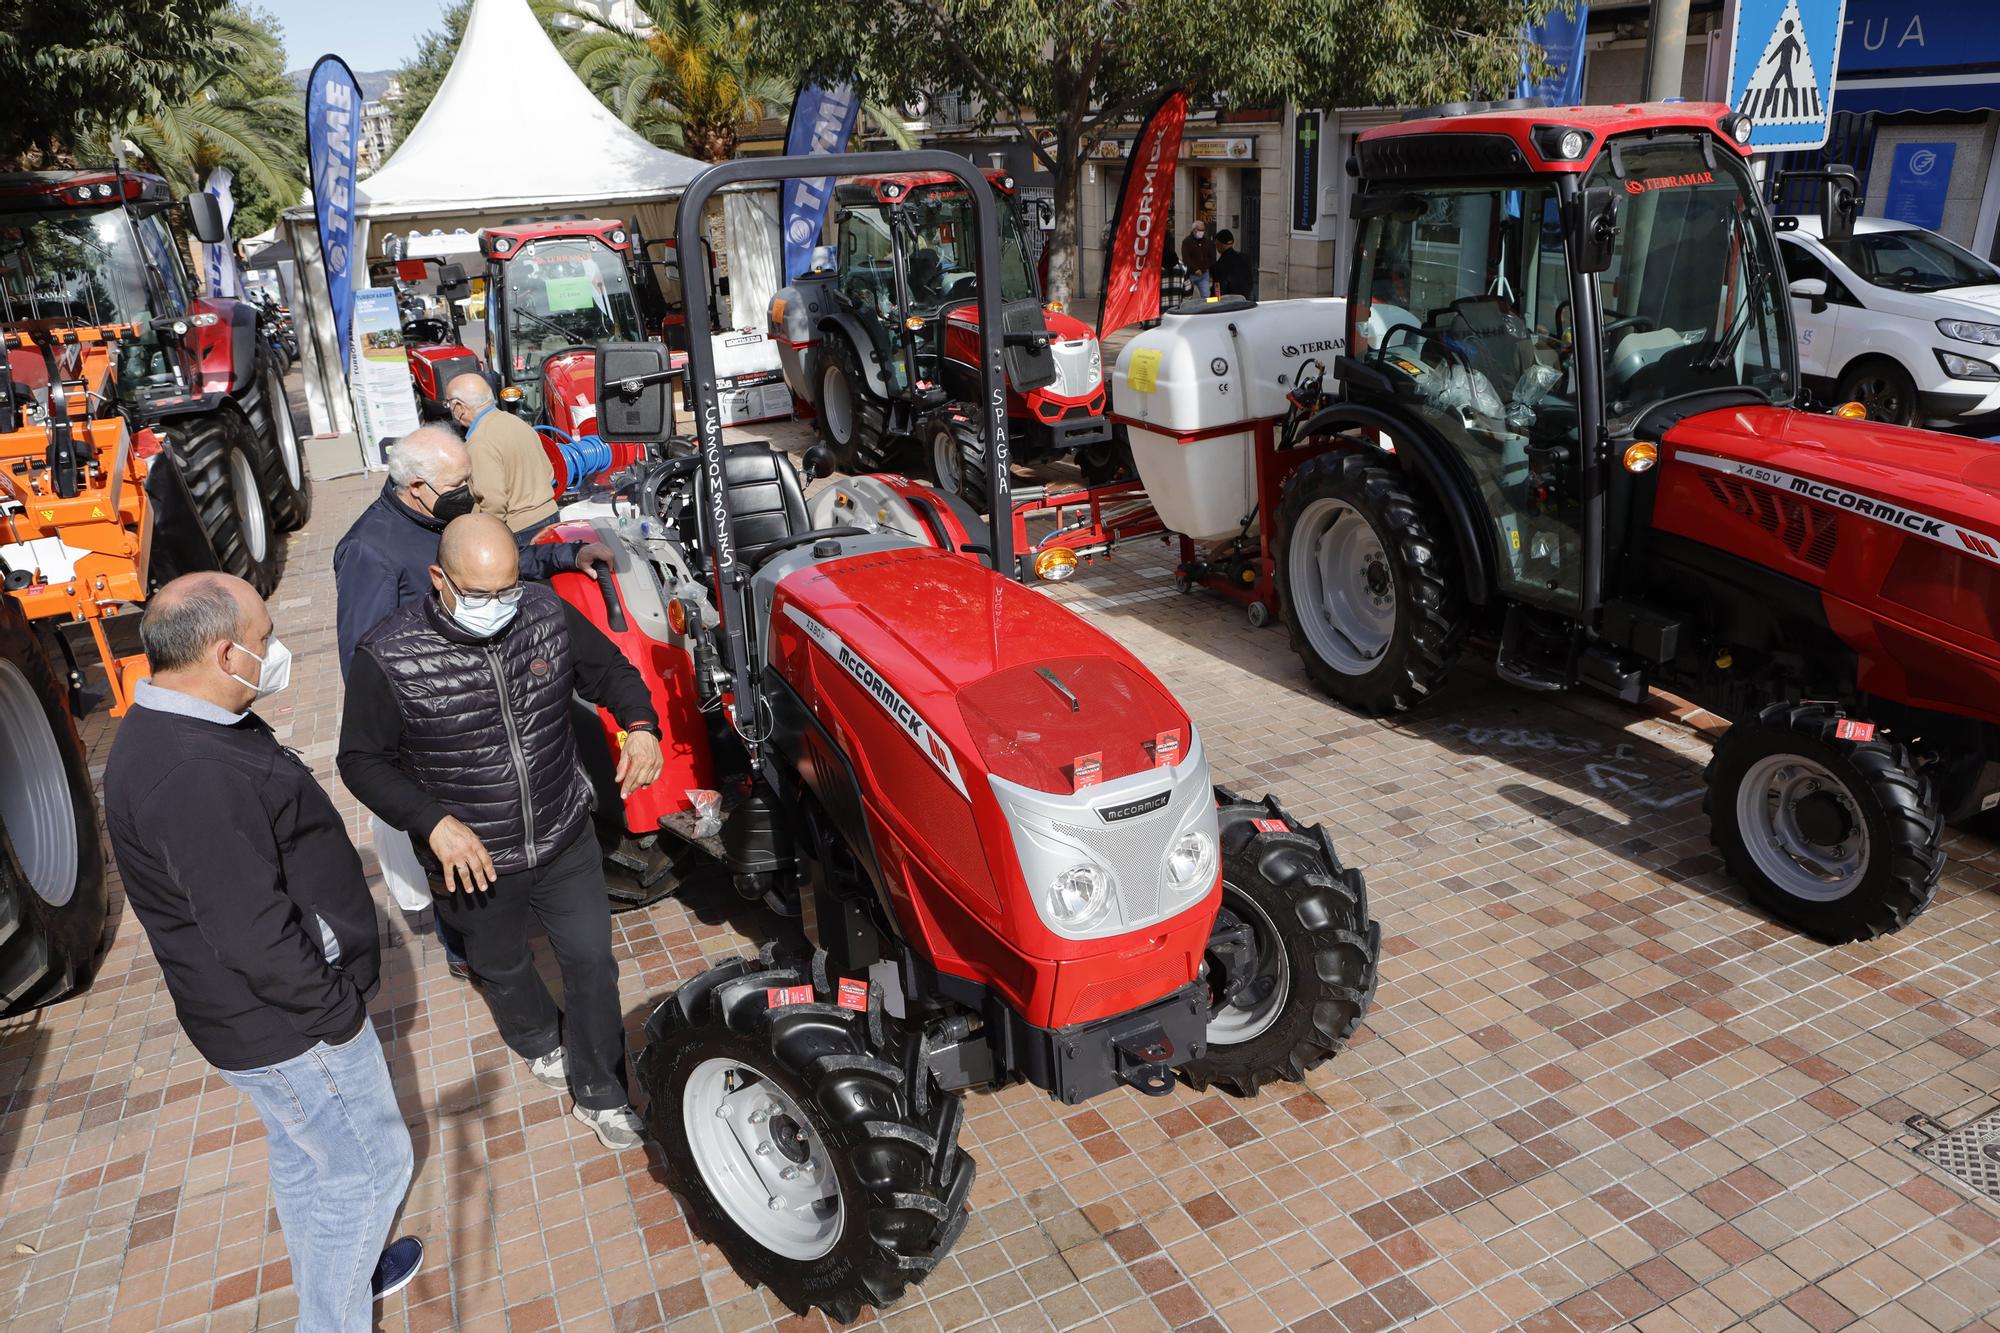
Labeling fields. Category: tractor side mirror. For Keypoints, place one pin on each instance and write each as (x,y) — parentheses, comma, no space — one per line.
(1024,336)
(634,402)
(204,218)
(1840,204)
(451,279)
(818,462)
(1596,228)
(1811,289)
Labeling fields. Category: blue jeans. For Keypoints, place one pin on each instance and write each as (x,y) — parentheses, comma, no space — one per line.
(340,1166)
(1201,285)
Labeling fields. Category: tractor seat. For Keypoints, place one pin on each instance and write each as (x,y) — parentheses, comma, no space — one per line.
(765,498)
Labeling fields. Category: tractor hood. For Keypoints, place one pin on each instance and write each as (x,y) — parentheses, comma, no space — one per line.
(1948,479)
(1062,327)
(963,652)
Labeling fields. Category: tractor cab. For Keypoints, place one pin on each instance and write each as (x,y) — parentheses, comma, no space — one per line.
(552,288)
(1541,289)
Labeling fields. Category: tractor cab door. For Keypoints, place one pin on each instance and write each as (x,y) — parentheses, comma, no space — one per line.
(866,287)
(1462,302)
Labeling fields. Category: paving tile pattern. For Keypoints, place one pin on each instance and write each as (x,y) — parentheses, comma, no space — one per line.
(1597,1089)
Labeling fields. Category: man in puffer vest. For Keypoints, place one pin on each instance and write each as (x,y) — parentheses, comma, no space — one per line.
(457,730)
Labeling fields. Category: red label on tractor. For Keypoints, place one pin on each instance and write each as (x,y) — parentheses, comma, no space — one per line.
(853,994)
(1270,826)
(1847,729)
(1166,749)
(777,997)
(1087,770)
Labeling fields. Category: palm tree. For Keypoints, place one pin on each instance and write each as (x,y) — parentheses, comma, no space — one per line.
(682,74)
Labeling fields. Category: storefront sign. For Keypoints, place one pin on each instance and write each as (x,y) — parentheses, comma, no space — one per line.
(1781,59)
(1882,35)
(1232,150)
(1918,182)
(1305,171)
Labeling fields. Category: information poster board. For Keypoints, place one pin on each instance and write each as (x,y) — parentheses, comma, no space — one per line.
(385,404)
(1918,182)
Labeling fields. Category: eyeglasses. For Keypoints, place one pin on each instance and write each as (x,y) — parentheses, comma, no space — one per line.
(472,601)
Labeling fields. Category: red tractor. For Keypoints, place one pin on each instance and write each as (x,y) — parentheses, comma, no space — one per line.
(883,346)
(993,826)
(1568,423)
(93,249)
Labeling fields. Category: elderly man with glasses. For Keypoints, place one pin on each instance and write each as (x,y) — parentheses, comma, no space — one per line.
(457,730)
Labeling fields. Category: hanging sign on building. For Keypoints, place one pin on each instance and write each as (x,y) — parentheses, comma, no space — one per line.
(1305,170)
(1919,180)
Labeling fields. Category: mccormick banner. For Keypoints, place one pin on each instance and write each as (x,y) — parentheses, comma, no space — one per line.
(218,262)
(1139,236)
(822,121)
(333,126)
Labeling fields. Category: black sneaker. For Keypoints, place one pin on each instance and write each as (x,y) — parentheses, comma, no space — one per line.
(462,970)
(398,1264)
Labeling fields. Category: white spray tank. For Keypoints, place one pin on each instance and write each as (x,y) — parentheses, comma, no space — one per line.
(1192,389)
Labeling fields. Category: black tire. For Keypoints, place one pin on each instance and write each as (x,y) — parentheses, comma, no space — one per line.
(837,384)
(1428,624)
(1882,796)
(1303,945)
(1883,387)
(276,453)
(898,1171)
(217,456)
(967,481)
(1102,464)
(51,913)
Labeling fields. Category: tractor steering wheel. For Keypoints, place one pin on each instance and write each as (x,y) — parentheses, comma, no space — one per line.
(1617,323)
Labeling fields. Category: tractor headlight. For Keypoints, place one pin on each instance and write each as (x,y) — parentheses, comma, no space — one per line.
(1079,896)
(1096,375)
(1966,331)
(1190,862)
(1570,146)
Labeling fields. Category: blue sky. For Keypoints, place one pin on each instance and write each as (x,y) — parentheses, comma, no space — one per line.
(368,34)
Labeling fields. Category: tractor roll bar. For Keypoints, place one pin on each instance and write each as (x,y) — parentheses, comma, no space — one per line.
(731,577)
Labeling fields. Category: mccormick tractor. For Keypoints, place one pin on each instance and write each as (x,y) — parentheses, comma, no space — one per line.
(1568,424)
(92,249)
(994,828)
(883,348)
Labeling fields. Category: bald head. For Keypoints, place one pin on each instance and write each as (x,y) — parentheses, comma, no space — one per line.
(431,456)
(478,555)
(195,616)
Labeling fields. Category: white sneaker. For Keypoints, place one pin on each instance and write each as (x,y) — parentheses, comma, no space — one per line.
(618,1128)
(552,1069)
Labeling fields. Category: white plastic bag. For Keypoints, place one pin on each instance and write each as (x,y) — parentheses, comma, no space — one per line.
(402,872)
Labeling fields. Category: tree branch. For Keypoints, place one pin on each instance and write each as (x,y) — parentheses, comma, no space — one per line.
(992,93)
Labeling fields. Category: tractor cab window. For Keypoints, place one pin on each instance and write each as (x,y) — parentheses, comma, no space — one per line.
(1694,298)
(1464,307)
(71,266)
(165,258)
(942,245)
(563,292)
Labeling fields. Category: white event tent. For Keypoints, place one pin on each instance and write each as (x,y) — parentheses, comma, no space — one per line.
(512,133)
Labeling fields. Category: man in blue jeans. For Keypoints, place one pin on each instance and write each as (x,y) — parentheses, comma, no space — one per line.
(239,868)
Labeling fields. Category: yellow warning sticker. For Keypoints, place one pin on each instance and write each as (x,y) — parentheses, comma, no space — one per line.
(1144,373)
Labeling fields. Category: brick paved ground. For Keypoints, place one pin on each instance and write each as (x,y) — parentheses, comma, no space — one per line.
(1596,1088)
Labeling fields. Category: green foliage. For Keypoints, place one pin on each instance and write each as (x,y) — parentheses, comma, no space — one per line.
(69,69)
(424,72)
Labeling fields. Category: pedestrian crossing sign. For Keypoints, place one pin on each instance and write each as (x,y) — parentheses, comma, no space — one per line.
(1782,56)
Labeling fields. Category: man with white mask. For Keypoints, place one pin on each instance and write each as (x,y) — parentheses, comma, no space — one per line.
(253,899)
(457,731)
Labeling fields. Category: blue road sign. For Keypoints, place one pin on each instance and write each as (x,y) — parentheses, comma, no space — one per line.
(1781,61)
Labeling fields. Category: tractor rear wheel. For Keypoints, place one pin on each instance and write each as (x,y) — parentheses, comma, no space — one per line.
(1367,591)
(798,1142)
(275,453)
(216,454)
(1102,464)
(957,467)
(1837,838)
(1291,960)
(52,892)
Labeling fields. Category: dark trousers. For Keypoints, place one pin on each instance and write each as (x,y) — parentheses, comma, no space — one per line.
(566,894)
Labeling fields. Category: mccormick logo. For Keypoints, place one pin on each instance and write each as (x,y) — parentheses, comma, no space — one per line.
(1142,226)
(908,718)
(1642,184)
(1143,806)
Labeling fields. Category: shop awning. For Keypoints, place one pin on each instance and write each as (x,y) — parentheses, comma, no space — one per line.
(1934,94)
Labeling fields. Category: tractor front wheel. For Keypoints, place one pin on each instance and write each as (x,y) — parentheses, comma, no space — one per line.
(1837,838)
(799,1142)
(1366,588)
(1291,959)
(273,440)
(839,415)
(216,457)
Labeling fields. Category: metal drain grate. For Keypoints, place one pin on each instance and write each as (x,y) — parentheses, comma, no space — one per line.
(1971,1152)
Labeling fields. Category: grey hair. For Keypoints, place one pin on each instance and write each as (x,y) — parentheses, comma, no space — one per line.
(179,626)
(476,393)
(418,455)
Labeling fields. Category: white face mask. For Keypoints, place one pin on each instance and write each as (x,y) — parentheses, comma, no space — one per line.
(277,668)
(484,621)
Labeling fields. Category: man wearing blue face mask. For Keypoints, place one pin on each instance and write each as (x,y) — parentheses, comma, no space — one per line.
(457,731)
(239,867)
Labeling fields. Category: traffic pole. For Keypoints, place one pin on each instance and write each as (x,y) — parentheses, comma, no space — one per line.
(1666,48)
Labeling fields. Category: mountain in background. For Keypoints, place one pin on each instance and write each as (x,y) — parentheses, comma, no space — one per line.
(372,82)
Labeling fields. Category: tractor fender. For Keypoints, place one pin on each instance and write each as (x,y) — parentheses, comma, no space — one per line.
(177,543)
(847,329)
(1430,461)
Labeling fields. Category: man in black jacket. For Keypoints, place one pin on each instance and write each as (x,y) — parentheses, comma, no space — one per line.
(457,730)
(384,562)
(1232,272)
(239,868)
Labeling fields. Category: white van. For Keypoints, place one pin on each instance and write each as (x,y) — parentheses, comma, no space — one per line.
(1896,318)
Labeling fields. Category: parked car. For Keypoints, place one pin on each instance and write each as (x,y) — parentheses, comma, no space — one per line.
(1896,318)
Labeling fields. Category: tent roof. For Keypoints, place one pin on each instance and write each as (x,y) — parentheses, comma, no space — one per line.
(512,126)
